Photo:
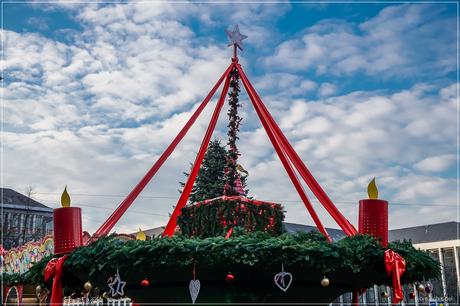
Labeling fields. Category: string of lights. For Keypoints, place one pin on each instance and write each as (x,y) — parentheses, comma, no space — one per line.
(338,202)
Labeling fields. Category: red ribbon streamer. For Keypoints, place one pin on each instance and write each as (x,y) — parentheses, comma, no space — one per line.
(395,266)
(121,209)
(54,269)
(229,233)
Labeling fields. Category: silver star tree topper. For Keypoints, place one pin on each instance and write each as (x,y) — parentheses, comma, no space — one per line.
(236,38)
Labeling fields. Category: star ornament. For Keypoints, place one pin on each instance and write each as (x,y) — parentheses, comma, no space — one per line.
(236,38)
(116,285)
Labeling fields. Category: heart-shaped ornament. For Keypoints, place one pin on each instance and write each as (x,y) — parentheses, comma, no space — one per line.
(283,280)
(194,288)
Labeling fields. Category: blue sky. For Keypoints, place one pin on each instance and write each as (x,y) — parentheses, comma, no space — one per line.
(93,93)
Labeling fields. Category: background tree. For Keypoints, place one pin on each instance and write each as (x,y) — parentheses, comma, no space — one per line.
(210,180)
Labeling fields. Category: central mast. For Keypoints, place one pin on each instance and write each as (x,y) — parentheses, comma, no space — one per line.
(233,184)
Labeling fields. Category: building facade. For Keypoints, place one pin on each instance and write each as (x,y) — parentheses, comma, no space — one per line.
(442,242)
(23,219)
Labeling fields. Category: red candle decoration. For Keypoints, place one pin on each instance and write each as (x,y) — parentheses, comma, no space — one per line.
(373,215)
(67,226)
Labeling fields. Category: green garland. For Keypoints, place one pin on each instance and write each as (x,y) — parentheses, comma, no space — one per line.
(169,260)
(215,218)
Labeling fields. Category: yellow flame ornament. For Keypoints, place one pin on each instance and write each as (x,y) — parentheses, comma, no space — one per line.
(65,198)
(140,235)
(372,190)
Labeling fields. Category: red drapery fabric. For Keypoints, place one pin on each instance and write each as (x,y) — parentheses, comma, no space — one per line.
(281,151)
(395,266)
(121,209)
(346,226)
(171,226)
(54,269)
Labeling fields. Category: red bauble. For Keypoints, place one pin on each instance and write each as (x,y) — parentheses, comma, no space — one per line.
(229,278)
(145,283)
(412,295)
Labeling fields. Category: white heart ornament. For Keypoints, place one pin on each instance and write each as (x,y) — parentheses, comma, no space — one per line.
(194,288)
(280,280)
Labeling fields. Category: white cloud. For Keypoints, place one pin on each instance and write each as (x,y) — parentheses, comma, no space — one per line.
(436,163)
(96,113)
(326,90)
(401,41)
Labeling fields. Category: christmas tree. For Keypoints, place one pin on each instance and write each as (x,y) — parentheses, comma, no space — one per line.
(210,180)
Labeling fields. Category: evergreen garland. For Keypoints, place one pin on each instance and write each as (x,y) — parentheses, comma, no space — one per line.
(308,254)
(217,217)
(234,122)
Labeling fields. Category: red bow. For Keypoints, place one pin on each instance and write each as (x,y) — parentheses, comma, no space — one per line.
(395,266)
(54,269)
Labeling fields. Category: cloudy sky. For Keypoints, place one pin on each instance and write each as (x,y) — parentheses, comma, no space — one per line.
(94,93)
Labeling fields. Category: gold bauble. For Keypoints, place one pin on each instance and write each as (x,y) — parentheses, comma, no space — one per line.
(325,282)
(384,294)
(421,288)
(88,286)
(105,295)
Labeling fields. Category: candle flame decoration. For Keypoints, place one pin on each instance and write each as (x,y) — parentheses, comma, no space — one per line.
(65,198)
(372,190)
(141,235)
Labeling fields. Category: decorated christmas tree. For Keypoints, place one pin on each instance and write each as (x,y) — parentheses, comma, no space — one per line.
(210,181)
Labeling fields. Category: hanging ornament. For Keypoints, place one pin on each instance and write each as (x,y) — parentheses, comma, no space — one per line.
(194,287)
(88,286)
(420,288)
(428,288)
(229,278)
(145,283)
(384,294)
(325,281)
(38,290)
(116,285)
(105,295)
(412,295)
(283,279)
(74,295)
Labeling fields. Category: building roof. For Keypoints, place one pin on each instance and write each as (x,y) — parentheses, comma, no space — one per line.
(13,199)
(426,233)
(334,233)
(153,232)
(417,234)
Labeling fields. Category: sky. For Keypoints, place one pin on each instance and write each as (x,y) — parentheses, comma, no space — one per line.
(93,94)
